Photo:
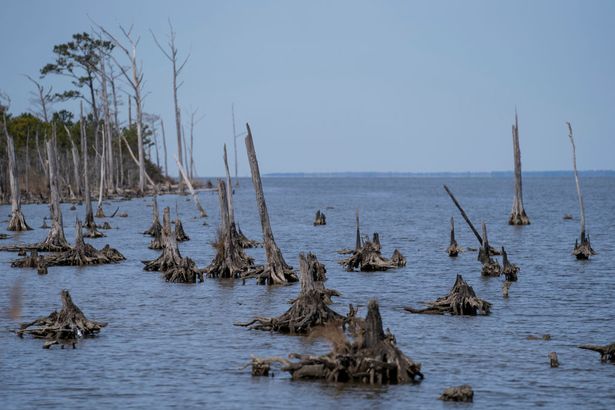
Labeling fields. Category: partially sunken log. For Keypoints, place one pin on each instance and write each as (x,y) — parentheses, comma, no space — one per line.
(65,327)
(156,228)
(461,300)
(230,260)
(17,221)
(371,358)
(517,215)
(491,267)
(320,218)
(509,270)
(607,353)
(276,270)
(463,393)
(170,263)
(453,249)
(581,250)
(307,312)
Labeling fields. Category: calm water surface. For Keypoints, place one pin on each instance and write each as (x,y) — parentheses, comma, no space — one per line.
(173,345)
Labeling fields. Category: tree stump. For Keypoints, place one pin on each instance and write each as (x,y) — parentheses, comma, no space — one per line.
(517,215)
(508,269)
(453,249)
(17,222)
(463,393)
(461,300)
(553,359)
(490,267)
(100,212)
(320,218)
(308,311)
(607,353)
(64,327)
(180,234)
(155,229)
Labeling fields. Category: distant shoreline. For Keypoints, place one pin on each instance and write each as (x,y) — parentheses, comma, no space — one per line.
(588,173)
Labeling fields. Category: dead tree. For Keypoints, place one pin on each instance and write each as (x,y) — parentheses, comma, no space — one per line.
(180,234)
(195,195)
(581,250)
(170,263)
(453,249)
(17,221)
(517,215)
(230,260)
(276,271)
(308,311)
(461,300)
(65,327)
(89,214)
(607,353)
(491,267)
(371,358)
(320,218)
(156,228)
(509,270)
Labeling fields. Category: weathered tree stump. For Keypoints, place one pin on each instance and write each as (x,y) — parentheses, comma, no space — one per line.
(308,311)
(553,359)
(276,270)
(607,353)
(17,221)
(180,234)
(100,212)
(106,225)
(320,218)
(64,327)
(453,248)
(463,393)
(461,300)
(508,269)
(156,228)
(371,358)
(517,215)
(505,287)
(491,267)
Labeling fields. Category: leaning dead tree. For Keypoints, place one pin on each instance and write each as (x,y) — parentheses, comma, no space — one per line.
(461,300)
(517,215)
(170,263)
(607,353)
(367,257)
(276,270)
(230,260)
(581,250)
(65,327)
(308,311)
(17,221)
(320,218)
(371,358)
(453,248)
(195,195)
(491,267)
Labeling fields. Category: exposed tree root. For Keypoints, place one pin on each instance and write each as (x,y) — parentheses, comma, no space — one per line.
(17,223)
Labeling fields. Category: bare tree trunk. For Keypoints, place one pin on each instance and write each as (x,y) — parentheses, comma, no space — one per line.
(453,249)
(137,163)
(582,250)
(518,215)
(17,221)
(277,271)
(185,163)
(164,148)
(89,214)
(28,162)
(194,194)
(56,240)
(108,152)
(100,213)
(235,142)
(119,178)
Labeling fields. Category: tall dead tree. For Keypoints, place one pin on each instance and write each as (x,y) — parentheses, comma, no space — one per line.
(277,271)
(164,149)
(172,56)
(89,214)
(581,250)
(17,221)
(517,215)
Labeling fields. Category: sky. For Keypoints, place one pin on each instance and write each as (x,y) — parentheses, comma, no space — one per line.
(342,86)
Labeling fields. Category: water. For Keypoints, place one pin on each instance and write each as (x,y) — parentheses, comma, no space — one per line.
(173,345)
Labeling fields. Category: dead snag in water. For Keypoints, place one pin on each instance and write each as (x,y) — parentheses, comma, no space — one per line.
(17,221)
(463,393)
(106,225)
(320,218)
(230,260)
(461,300)
(509,270)
(170,263)
(100,212)
(64,327)
(276,270)
(517,215)
(180,234)
(453,249)
(581,250)
(491,267)
(155,228)
(371,358)
(505,287)
(307,311)
(553,359)
(607,353)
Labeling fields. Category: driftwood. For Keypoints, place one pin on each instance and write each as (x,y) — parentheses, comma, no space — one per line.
(517,215)
(170,263)
(320,218)
(463,393)
(155,229)
(584,249)
(308,311)
(461,300)
(17,221)
(509,270)
(453,249)
(491,267)
(371,358)
(607,353)
(276,271)
(230,260)
(64,327)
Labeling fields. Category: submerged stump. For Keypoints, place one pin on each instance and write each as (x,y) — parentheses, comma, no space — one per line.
(320,218)
(491,267)
(453,248)
(463,393)
(509,270)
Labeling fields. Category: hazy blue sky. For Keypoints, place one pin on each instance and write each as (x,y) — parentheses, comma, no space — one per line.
(360,85)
